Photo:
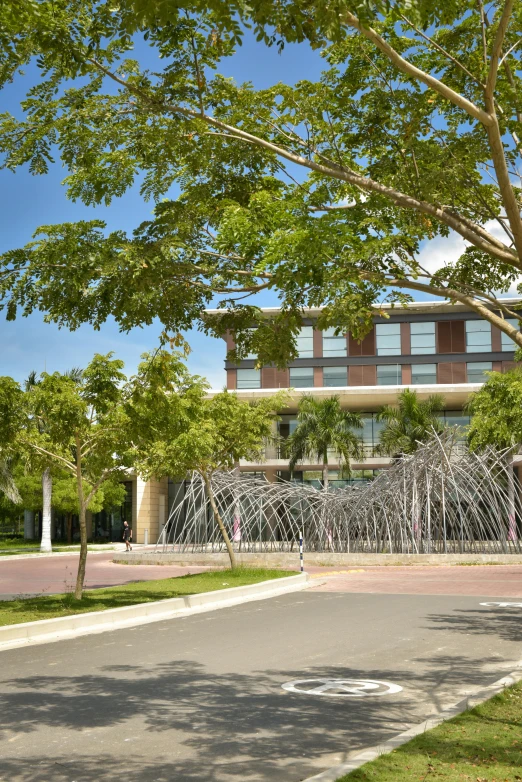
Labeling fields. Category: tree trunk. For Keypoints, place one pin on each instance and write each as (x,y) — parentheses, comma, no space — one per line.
(80,578)
(69,528)
(512,520)
(325,472)
(29,532)
(219,520)
(47,492)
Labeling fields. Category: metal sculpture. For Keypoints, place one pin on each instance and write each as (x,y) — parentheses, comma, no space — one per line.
(442,499)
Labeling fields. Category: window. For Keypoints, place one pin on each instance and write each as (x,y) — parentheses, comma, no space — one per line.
(305,342)
(478,336)
(388,339)
(301,377)
(507,343)
(422,338)
(423,374)
(248,378)
(335,376)
(333,345)
(389,375)
(456,418)
(476,371)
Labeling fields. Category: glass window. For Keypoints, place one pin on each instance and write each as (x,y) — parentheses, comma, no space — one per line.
(476,371)
(301,377)
(388,339)
(305,342)
(507,343)
(333,345)
(422,338)
(389,375)
(335,376)
(423,374)
(478,336)
(248,378)
(456,418)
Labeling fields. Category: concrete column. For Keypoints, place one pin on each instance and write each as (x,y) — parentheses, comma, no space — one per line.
(151,511)
(29,529)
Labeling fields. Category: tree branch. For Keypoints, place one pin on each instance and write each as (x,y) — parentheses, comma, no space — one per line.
(496,52)
(364,183)
(411,70)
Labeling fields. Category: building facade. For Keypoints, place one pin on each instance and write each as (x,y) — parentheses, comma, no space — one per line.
(432,347)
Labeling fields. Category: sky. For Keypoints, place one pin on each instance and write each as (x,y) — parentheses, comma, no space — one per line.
(27,202)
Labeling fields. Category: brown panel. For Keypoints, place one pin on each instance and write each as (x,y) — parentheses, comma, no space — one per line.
(364,348)
(459,372)
(496,340)
(458,336)
(368,343)
(231,379)
(318,344)
(369,374)
(282,378)
(405,339)
(443,337)
(268,377)
(355,376)
(318,377)
(444,372)
(507,365)
(354,347)
(231,342)
(497,366)
(406,374)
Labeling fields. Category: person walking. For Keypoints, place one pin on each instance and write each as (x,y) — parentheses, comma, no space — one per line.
(127,536)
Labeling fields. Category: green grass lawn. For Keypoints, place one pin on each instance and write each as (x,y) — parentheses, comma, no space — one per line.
(12,546)
(49,606)
(481,745)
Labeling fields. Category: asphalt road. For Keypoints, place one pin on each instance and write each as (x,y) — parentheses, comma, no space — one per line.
(201,698)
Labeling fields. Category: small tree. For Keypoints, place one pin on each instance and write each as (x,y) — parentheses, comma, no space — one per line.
(409,423)
(324,426)
(496,420)
(80,426)
(178,428)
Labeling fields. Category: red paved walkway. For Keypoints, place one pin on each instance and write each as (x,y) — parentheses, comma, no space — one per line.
(492,580)
(58,574)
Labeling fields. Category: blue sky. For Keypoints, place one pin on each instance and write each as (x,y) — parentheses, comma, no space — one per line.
(27,202)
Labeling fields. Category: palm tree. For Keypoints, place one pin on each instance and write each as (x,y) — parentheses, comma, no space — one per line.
(409,423)
(7,484)
(47,481)
(324,426)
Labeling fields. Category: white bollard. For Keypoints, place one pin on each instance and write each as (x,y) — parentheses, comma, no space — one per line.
(146,537)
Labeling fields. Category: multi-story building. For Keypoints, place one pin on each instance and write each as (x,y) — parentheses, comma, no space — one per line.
(432,347)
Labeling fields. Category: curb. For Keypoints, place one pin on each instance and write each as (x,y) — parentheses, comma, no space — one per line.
(480,696)
(49,630)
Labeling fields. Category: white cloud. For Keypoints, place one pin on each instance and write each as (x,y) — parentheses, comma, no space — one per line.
(437,252)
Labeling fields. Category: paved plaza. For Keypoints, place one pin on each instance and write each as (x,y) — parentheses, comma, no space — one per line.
(202,698)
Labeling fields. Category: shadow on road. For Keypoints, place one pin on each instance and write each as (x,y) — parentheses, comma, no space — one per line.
(505,623)
(227,727)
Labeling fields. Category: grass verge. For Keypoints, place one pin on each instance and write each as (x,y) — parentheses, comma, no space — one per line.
(480,745)
(50,606)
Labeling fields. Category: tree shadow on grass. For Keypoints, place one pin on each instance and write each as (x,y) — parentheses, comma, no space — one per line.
(193,724)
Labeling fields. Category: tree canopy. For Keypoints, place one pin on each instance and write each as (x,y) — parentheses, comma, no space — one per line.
(177,428)
(495,412)
(321,192)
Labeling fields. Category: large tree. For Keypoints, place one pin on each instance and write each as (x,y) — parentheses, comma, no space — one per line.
(177,428)
(322,191)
